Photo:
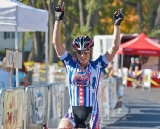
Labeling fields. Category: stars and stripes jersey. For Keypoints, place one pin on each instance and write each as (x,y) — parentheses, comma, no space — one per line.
(83,84)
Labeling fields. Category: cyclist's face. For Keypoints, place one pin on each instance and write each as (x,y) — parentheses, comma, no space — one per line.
(83,56)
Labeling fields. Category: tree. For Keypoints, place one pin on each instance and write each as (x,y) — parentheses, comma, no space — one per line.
(92,17)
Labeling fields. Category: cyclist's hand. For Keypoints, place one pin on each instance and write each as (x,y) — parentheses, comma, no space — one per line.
(118,17)
(59,11)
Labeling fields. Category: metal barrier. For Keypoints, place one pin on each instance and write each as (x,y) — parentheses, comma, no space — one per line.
(36,106)
(1,108)
(103,99)
(112,94)
(107,97)
(146,79)
(55,75)
(56,104)
(27,108)
(120,89)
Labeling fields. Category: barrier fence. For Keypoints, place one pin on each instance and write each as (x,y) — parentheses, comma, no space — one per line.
(108,97)
(30,107)
(36,106)
(58,74)
(55,74)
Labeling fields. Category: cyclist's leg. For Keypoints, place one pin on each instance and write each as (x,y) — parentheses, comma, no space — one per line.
(65,123)
(95,121)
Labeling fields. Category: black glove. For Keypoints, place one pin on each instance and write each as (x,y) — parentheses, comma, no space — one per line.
(59,12)
(118,17)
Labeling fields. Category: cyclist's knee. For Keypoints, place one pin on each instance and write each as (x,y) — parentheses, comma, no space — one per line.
(65,124)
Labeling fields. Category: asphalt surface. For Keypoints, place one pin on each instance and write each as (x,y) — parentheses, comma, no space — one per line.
(141,110)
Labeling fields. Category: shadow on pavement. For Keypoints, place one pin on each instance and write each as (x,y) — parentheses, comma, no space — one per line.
(139,116)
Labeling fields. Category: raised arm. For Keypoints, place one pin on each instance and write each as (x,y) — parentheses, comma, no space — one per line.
(118,18)
(59,13)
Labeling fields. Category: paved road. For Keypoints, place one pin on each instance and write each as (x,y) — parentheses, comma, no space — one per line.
(141,110)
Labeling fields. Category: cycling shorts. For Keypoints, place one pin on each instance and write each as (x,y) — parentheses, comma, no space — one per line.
(82,117)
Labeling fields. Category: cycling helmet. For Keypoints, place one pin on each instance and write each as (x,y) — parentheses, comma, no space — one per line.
(83,43)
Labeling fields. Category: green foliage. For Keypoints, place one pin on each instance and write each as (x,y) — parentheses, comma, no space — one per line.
(101,17)
(81,31)
(27,36)
(155,32)
(106,9)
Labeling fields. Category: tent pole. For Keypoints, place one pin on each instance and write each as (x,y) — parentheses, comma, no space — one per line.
(122,60)
(46,54)
(16,47)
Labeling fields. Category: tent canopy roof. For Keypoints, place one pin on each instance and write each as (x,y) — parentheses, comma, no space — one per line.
(141,45)
(25,18)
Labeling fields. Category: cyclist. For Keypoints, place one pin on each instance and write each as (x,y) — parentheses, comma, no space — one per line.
(83,74)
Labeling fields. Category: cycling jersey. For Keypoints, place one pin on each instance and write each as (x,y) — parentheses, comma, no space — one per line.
(83,84)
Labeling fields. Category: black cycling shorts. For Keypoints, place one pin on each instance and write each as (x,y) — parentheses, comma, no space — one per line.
(82,116)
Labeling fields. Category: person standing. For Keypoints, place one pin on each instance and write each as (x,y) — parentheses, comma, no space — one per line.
(132,67)
(7,78)
(22,76)
(137,71)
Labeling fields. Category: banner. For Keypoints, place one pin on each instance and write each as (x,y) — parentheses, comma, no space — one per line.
(13,109)
(39,104)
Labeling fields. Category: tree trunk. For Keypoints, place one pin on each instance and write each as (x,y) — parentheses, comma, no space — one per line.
(52,53)
(37,49)
(139,12)
(138,7)
(157,23)
(157,20)
(68,28)
(31,54)
(81,13)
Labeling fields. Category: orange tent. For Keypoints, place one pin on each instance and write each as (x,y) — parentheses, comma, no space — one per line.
(141,45)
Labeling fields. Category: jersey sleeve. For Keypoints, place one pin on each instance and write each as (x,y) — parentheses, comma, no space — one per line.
(101,62)
(67,59)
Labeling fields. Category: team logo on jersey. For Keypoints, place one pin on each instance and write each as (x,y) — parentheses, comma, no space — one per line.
(82,77)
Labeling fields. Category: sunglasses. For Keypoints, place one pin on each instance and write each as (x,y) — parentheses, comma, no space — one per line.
(83,52)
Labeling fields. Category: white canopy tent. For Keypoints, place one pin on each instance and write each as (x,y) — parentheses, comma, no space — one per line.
(18,17)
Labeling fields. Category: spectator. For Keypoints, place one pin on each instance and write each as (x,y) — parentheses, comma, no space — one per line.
(137,65)
(137,70)
(132,67)
(136,73)
(5,73)
(22,76)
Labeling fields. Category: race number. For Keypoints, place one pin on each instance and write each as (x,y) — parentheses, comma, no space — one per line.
(9,58)
(146,78)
